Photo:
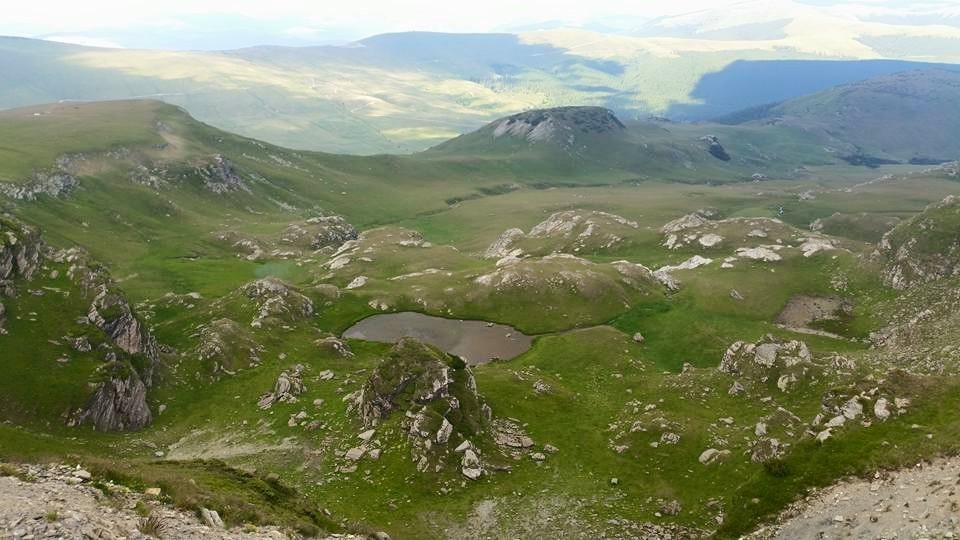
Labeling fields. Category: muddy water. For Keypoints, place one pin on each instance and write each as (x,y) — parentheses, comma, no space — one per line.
(474,341)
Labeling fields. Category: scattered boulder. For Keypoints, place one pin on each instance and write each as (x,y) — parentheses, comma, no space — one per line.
(211,518)
(766,449)
(671,508)
(289,385)
(715,148)
(333,345)
(712,455)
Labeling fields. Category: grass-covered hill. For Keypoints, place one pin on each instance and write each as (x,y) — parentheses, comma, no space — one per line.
(699,356)
(908,116)
(408,91)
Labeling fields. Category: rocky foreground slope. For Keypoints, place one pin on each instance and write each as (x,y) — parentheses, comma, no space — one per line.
(59,501)
(919,502)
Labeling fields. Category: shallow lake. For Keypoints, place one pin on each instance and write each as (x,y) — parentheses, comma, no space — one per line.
(474,341)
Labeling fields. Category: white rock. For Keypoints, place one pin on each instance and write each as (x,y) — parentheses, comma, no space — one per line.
(357,282)
(759,254)
(880,409)
(355,453)
(211,518)
(712,455)
(710,240)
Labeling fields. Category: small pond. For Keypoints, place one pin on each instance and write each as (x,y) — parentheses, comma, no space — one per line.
(474,341)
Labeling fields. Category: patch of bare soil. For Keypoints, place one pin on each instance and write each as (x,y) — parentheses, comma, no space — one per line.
(802,312)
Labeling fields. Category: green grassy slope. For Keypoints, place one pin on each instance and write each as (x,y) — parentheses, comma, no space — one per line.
(143,207)
(907,116)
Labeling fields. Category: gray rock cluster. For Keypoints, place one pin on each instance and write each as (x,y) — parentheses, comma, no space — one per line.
(219,176)
(289,385)
(54,184)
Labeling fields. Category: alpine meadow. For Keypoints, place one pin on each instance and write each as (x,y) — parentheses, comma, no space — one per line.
(623,271)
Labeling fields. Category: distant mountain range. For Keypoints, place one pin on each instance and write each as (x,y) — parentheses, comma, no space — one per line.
(409,91)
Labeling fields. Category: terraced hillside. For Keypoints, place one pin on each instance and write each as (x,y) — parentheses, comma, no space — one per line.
(175,299)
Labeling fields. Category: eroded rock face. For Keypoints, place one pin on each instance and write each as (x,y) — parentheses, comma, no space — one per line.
(119,403)
(923,249)
(111,313)
(119,400)
(21,250)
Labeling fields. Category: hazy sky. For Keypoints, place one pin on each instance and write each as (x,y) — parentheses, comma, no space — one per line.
(232,23)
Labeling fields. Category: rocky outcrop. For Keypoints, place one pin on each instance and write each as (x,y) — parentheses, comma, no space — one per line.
(561,125)
(226,346)
(54,184)
(783,362)
(120,401)
(220,177)
(437,396)
(21,251)
(504,245)
(715,148)
(570,231)
(289,385)
(923,249)
(277,302)
(319,233)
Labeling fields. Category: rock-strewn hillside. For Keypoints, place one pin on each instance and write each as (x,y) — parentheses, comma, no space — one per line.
(118,401)
(923,249)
